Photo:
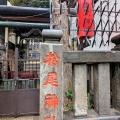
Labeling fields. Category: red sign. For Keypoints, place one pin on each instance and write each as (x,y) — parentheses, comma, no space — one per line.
(50,118)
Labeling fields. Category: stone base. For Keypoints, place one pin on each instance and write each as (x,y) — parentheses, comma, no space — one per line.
(92,115)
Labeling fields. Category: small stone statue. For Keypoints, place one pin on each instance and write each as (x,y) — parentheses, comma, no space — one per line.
(116,41)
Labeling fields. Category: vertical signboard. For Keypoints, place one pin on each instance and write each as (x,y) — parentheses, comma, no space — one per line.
(51,82)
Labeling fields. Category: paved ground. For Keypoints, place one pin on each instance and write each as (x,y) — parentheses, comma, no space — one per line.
(115,115)
(21,118)
(92,115)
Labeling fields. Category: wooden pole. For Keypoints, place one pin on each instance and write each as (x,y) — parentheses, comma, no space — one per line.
(6,40)
(6,46)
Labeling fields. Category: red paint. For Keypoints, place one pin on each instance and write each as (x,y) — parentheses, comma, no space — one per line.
(51,101)
(52,59)
(50,118)
(51,79)
(85,19)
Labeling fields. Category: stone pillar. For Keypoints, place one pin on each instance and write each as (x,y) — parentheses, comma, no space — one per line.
(60,21)
(102,88)
(51,82)
(91,81)
(116,76)
(116,87)
(80,90)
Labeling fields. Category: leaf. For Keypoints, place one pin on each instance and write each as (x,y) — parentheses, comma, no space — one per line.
(69,107)
(69,94)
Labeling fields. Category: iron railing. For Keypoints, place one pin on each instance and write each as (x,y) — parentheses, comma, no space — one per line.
(24,71)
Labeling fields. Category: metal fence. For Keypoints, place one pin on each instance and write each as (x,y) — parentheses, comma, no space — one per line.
(26,71)
(19,86)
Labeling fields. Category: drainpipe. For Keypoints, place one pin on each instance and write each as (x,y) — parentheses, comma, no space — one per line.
(24,25)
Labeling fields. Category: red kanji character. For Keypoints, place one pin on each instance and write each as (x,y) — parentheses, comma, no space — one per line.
(50,118)
(51,79)
(52,59)
(51,101)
